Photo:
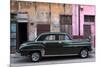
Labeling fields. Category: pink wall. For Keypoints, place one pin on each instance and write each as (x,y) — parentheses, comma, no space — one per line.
(75,20)
(87,10)
(81,22)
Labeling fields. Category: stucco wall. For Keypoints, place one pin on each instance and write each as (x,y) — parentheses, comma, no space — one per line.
(86,10)
(56,11)
(89,9)
(39,13)
(75,20)
(13,6)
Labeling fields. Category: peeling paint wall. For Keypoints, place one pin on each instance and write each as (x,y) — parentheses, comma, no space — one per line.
(43,13)
(14,6)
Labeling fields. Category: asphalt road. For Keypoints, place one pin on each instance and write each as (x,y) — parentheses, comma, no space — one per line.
(17,61)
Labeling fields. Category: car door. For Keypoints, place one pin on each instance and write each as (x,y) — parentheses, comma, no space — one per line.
(51,45)
(67,45)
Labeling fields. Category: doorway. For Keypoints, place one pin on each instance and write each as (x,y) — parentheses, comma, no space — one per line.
(22,33)
(87,31)
(41,28)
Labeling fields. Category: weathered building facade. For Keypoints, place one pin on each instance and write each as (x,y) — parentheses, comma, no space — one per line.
(29,19)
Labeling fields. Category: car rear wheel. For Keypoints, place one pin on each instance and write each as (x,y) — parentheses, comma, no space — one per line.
(84,53)
(35,56)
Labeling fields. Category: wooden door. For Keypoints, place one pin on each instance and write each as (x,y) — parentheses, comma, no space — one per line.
(87,31)
(41,28)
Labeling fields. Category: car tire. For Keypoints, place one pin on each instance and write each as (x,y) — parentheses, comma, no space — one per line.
(84,53)
(36,56)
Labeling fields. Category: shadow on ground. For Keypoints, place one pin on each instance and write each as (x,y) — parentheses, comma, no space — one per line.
(60,58)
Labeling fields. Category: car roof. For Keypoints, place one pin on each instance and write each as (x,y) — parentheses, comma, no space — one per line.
(54,33)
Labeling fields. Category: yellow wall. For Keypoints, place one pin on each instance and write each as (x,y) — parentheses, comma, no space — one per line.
(13,6)
(39,14)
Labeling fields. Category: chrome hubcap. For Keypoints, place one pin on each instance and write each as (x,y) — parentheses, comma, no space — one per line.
(84,53)
(35,56)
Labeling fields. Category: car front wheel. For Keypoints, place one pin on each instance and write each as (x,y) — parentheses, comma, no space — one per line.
(84,53)
(35,56)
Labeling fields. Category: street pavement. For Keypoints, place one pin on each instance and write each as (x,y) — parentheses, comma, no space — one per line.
(17,61)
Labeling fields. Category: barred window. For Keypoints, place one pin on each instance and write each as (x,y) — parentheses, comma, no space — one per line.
(89,18)
(66,19)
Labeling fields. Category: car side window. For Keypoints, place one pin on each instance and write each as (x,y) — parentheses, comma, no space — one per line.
(63,37)
(50,38)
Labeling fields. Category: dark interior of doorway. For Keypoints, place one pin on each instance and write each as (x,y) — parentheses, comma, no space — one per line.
(22,32)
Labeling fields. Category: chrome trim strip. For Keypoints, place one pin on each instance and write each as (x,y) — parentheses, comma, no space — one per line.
(60,55)
(74,45)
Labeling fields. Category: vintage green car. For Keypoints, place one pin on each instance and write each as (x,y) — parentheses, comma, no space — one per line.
(55,44)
